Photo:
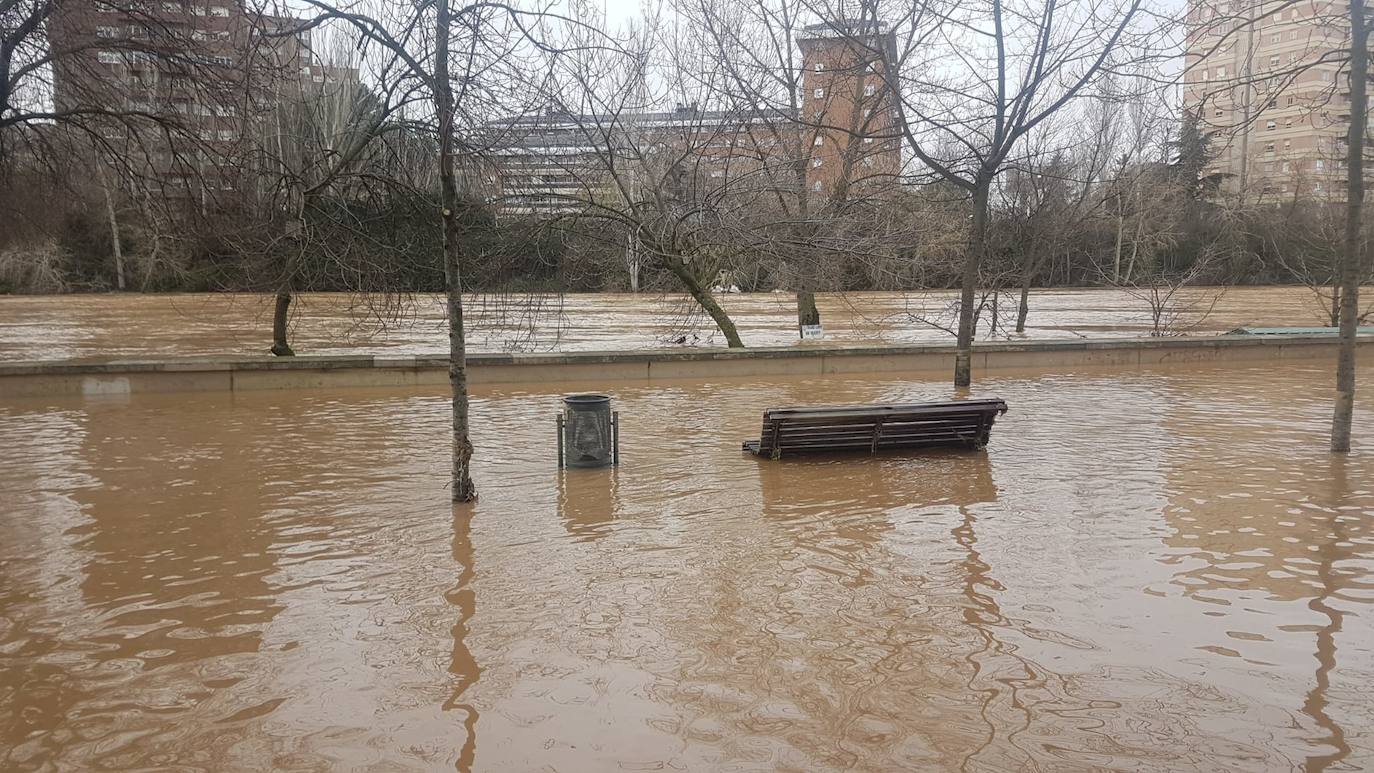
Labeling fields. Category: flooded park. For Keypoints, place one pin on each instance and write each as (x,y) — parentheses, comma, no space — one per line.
(71,327)
(1148,569)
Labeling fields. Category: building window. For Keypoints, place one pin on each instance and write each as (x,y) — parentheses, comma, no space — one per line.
(220,11)
(107,32)
(819,93)
(1290,100)
(1221,71)
(1288,123)
(820,66)
(870,90)
(1269,147)
(717,173)
(815,163)
(868,161)
(868,140)
(1287,145)
(817,142)
(1217,113)
(1274,102)
(1269,126)
(1321,165)
(226,135)
(816,186)
(1274,60)
(108,57)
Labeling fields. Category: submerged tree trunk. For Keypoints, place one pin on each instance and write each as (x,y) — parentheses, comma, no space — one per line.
(1028,271)
(807,313)
(963,357)
(463,488)
(1023,308)
(1353,260)
(703,298)
(280,316)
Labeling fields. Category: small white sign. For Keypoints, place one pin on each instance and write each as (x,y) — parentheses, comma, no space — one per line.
(812,331)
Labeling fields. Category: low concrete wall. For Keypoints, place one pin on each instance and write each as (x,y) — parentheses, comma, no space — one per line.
(93,379)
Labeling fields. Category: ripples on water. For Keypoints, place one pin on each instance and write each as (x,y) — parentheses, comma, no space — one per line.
(215,324)
(1149,571)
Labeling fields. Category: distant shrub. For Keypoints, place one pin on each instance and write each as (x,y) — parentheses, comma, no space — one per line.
(34,269)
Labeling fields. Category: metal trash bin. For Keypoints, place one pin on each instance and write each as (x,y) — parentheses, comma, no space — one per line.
(588,432)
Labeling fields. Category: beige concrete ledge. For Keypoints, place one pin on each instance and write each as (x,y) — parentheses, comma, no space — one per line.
(119,377)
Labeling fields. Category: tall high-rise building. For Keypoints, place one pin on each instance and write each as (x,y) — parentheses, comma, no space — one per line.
(847,104)
(190,74)
(1265,81)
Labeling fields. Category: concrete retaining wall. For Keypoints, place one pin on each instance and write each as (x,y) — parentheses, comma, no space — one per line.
(33,379)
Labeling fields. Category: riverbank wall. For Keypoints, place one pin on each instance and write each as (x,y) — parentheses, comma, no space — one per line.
(119,377)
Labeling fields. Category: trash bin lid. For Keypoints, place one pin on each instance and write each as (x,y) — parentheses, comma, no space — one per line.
(580,400)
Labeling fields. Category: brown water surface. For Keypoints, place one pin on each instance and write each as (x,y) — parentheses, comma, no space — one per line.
(95,326)
(1158,570)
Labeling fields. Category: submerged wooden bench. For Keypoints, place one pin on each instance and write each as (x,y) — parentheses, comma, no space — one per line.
(874,428)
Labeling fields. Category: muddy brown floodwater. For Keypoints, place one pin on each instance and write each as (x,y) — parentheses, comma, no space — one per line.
(91,326)
(1156,570)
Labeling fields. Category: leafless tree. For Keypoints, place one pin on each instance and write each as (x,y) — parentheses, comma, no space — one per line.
(970,81)
(471,60)
(1353,261)
(670,184)
(815,92)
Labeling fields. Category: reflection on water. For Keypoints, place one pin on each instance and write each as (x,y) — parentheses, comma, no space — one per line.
(1158,570)
(102,326)
(587,501)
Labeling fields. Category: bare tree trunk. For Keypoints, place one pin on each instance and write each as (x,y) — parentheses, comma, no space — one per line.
(632,261)
(280,316)
(1023,308)
(703,297)
(463,488)
(807,313)
(1353,259)
(963,357)
(115,247)
(1120,234)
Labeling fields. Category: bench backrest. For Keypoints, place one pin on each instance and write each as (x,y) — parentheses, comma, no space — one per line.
(876,427)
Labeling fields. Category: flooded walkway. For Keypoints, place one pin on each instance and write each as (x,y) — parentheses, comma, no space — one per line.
(1158,571)
(182,325)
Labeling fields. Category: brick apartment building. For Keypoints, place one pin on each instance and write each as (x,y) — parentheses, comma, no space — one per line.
(1265,80)
(203,69)
(837,142)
